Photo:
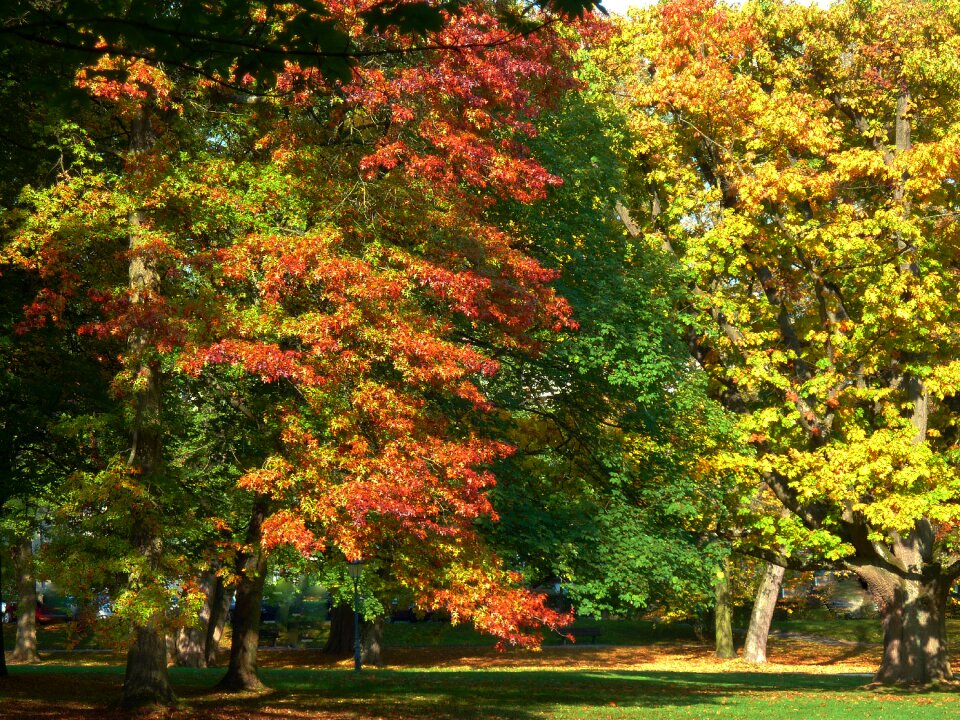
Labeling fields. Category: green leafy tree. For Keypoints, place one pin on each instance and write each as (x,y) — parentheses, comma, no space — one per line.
(49,387)
(605,492)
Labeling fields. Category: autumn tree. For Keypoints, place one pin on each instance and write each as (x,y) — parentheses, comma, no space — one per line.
(800,164)
(320,234)
(380,308)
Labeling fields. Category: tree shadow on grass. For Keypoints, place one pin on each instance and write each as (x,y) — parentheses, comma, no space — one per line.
(335,694)
(510,695)
(40,692)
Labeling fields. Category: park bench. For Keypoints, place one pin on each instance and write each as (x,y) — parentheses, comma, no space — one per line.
(269,632)
(311,638)
(581,632)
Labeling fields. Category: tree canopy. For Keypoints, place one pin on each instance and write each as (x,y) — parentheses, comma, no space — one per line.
(310,277)
(798,163)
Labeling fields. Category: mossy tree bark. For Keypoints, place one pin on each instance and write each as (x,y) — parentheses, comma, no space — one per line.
(340,639)
(372,642)
(192,641)
(220,606)
(914,613)
(3,658)
(723,617)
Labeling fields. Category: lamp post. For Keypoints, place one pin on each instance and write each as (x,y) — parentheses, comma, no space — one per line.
(355,568)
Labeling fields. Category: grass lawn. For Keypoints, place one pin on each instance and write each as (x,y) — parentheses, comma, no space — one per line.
(645,632)
(867,630)
(667,682)
(53,637)
(613,632)
(420,634)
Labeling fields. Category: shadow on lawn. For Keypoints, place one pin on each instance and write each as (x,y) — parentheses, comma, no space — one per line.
(50,693)
(513,695)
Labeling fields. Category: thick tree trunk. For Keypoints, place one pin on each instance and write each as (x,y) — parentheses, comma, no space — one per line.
(252,571)
(372,647)
(189,648)
(191,641)
(220,606)
(755,647)
(146,681)
(912,607)
(25,650)
(914,629)
(340,639)
(723,617)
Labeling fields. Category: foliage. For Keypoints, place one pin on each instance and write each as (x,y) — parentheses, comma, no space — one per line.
(317,263)
(790,225)
(795,160)
(605,493)
(243,43)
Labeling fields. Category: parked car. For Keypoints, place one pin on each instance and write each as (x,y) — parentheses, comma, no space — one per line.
(45,614)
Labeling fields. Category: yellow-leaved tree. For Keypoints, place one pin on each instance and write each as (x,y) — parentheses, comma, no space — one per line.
(802,164)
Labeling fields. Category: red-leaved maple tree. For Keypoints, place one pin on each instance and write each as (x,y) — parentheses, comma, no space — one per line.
(329,240)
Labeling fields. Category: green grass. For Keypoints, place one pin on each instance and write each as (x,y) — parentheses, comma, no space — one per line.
(613,632)
(508,694)
(51,637)
(859,630)
(434,634)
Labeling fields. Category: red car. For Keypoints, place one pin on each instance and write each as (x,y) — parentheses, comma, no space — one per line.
(45,615)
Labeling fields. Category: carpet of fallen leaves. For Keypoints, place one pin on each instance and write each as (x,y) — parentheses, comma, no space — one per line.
(57,694)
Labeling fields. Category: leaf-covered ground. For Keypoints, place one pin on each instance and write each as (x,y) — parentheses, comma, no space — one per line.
(807,680)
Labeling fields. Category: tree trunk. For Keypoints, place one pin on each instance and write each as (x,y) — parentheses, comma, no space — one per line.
(340,640)
(189,647)
(146,681)
(191,641)
(372,648)
(220,606)
(914,628)
(755,647)
(252,571)
(25,650)
(3,655)
(913,608)
(724,617)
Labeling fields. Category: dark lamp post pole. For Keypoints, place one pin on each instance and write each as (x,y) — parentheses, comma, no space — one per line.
(355,568)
